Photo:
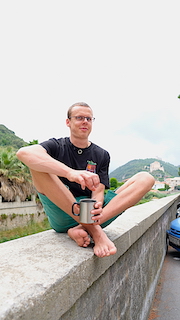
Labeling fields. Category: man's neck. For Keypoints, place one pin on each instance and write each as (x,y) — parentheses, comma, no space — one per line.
(80,143)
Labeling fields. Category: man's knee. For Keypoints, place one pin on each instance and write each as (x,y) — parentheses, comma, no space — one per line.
(146,178)
(41,180)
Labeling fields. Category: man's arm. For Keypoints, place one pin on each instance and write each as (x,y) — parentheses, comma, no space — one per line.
(98,194)
(37,159)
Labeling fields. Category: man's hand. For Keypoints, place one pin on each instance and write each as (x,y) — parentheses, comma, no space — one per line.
(97,212)
(84,178)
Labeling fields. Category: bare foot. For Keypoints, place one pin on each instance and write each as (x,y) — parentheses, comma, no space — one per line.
(80,236)
(104,247)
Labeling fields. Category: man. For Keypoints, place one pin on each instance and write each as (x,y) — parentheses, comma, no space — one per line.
(68,169)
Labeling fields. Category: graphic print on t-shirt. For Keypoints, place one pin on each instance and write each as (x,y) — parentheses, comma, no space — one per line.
(91,166)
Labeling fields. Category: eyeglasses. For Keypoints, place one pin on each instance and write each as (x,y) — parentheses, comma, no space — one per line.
(82,118)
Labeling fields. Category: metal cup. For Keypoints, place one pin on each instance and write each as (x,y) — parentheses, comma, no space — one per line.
(86,205)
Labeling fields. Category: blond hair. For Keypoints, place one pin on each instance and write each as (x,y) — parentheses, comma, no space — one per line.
(78,104)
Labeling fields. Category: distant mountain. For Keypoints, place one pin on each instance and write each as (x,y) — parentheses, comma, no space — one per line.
(8,138)
(132,167)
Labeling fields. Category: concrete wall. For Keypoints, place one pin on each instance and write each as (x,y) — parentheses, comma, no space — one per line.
(47,276)
(18,214)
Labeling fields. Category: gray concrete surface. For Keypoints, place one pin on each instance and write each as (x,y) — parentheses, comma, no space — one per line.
(19,214)
(47,276)
(166,305)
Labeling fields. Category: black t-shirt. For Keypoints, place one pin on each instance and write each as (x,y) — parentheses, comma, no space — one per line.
(92,158)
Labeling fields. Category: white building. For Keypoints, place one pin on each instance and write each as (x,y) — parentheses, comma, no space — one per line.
(173,182)
(158,185)
(156,166)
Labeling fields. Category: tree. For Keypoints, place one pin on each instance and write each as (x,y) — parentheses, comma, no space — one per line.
(167,187)
(32,142)
(113,183)
(179,171)
(15,178)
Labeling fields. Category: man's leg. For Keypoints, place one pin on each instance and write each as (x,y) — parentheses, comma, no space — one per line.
(54,189)
(128,195)
(51,186)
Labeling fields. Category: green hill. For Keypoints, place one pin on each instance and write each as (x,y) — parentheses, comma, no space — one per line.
(132,167)
(8,138)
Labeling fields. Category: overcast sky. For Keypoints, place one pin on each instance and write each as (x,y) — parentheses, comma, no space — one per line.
(120,57)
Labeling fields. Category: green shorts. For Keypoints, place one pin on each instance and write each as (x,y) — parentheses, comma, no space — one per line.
(60,221)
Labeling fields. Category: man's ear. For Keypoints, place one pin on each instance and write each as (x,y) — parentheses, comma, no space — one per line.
(67,122)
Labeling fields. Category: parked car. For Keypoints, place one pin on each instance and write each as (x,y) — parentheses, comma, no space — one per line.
(173,234)
(178,211)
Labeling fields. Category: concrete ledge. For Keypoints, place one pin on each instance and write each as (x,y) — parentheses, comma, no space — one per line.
(19,214)
(13,220)
(47,276)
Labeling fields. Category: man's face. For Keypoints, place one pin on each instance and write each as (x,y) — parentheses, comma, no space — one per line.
(80,128)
